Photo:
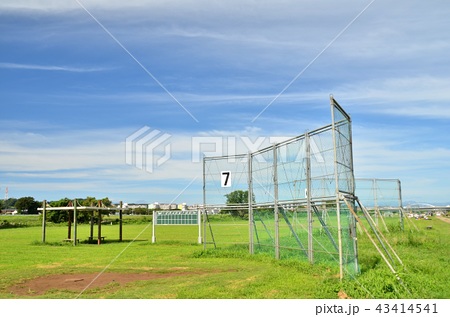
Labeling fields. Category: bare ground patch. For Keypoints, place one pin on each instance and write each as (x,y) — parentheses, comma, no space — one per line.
(78,282)
(447,220)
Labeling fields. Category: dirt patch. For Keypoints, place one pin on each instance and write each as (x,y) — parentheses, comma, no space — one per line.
(79,282)
(343,295)
(447,220)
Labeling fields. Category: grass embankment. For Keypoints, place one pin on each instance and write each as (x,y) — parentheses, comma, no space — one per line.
(222,273)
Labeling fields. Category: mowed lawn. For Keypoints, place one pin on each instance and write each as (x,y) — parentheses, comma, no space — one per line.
(183,269)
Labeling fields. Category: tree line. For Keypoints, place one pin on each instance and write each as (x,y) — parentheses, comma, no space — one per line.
(28,205)
(237,198)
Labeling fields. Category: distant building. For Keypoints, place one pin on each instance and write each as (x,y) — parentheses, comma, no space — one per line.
(168,206)
(155,205)
(8,212)
(162,206)
(182,207)
(133,206)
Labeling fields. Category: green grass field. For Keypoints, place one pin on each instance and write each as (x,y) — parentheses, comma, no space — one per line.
(186,270)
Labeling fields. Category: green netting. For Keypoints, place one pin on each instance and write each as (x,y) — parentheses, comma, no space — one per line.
(295,204)
(381,197)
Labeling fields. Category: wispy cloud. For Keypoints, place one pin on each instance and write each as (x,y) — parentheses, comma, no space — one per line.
(420,96)
(396,152)
(52,68)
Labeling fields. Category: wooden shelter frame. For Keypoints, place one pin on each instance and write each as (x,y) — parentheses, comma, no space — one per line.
(72,206)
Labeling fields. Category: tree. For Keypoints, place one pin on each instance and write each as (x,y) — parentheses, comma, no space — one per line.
(106,202)
(58,216)
(88,201)
(9,203)
(83,216)
(238,197)
(92,201)
(63,202)
(27,205)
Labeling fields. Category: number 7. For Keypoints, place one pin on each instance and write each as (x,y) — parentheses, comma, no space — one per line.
(225,179)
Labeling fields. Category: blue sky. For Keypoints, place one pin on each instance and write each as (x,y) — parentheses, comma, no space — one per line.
(78,77)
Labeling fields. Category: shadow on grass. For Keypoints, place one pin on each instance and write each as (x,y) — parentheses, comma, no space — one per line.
(86,241)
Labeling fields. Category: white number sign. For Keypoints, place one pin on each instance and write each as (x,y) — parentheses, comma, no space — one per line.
(225,179)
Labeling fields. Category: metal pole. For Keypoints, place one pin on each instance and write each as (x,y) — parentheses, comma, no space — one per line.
(283,213)
(250,205)
(204,204)
(276,212)
(370,238)
(354,236)
(338,214)
(376,231)
(385,240)
(308,198)
(336,179)
(199,222)
(120,221)
(44,214)
(353,222)
(74,222)
(153,226)
(375,198)
(400,203)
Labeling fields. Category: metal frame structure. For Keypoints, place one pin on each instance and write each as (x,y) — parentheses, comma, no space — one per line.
(305,173)
(379,196)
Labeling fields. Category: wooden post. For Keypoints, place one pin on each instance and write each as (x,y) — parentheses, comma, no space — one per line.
(69,226)
(120,222)
(74,222)
(99,239)
(44,214)
(91,233)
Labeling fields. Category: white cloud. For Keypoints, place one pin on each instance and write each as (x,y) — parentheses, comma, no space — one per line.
(51,68)
(57,150)
(422,96)
(398,152)
(94,161)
